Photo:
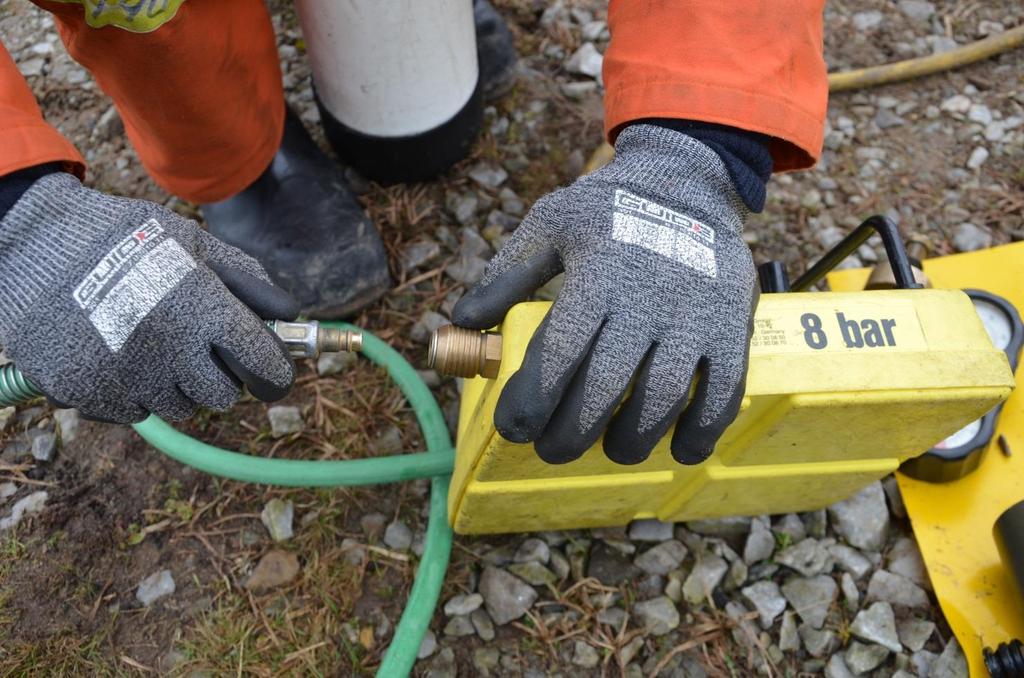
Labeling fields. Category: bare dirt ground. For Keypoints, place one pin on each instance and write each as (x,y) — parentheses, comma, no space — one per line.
(118,511)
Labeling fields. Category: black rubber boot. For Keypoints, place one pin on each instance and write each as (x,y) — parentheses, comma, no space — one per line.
(302,222)
(495,51)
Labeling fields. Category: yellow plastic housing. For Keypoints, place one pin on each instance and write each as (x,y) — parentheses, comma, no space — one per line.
(841,388)
(953,521)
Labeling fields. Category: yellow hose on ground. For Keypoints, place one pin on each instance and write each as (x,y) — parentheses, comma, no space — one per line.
(915,68)
(881,75)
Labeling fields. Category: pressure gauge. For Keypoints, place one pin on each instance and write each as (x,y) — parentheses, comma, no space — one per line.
(960,453)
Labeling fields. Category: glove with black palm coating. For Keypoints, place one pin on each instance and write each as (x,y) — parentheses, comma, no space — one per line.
(659,285)
(123,308)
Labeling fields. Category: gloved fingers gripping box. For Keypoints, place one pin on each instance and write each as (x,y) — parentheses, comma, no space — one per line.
(841,388)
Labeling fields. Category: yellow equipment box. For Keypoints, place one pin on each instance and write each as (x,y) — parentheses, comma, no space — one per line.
(953,521)
(841,388)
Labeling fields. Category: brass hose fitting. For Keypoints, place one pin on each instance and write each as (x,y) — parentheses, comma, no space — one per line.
(459,352)
(310,339)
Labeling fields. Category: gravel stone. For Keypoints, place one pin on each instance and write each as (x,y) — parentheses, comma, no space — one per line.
(978,157)
(951,663)
(837,668)
(428,646)
(980,114)
(767,600)
(68,422)
(721,527)
(612,616)
(706,575)
(483,624)
(285,420)
(533,573)
(850,560)
(917,10)
(892,493)
(958,103)
(334,363)
(650,529)
(463,604)
(922,661)
(969,238)
(905,559)
(816,523)
(277,517)
(488,176)
(463,207)
(418,253)
(609,565)
(559,564)
(808,557)
(861,658)
(658,615)
(7,490)
(850,592)
(760,543)
(877,624)
(791,525)
(811,597)
(511,203)
(154,587)
(276,568)
(867,21)
(467,269)
(789,637)
(506,597)
(892,588)
(586,61)
(532,550)
(44,446)
(353,552)
(592,30)
(818,642)
(661,559)
(737,575)
(398,536)
(863,519)
(458,627)
(914,633)
(584,655)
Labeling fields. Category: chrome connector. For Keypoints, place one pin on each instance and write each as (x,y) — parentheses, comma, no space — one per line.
(310,339)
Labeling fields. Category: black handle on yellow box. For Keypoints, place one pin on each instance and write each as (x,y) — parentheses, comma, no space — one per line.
(894,250)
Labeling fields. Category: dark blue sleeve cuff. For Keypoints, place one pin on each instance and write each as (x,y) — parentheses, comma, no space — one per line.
(744,153)
(13,185)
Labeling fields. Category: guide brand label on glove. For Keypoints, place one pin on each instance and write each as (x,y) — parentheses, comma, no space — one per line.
(849,327)
(636,221)
(131,280)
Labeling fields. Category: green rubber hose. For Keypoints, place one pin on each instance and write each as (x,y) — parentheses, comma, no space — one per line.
(436,463)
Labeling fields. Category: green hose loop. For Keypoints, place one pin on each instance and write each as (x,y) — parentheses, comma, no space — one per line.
(436,463)
(15,388)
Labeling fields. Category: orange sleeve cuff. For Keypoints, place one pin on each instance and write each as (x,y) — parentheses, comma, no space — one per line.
(25,138)
(749,64)
(37,144)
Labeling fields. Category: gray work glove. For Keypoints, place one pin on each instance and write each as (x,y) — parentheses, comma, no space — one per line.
(123,308)
(658,284)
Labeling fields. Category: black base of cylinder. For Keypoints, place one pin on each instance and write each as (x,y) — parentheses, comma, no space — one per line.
(419,157)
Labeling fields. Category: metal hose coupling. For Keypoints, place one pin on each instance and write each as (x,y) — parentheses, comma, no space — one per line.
(460,352)
(310,339)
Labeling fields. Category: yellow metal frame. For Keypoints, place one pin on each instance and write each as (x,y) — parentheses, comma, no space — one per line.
(816,425)
(953,521)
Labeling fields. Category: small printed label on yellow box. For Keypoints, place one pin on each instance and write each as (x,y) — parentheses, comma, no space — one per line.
(849,326)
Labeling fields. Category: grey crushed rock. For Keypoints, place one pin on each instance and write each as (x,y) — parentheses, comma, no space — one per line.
(650,529)
(483,624)
(861,658)
(914,633)
(818,642)
(706,575)
(951,663)
(877,624)
(811,597)
(892,588)
(863,519)
(850,560)
(791,526)
(760,543)
(285,420)
(658,615)
(661,559)
(398,536)
(463,604)
(506,597)
(767,600)
(532,550)
(789,637)
(808,557)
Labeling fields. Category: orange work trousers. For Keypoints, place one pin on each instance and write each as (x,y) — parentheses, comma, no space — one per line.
(197,84)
